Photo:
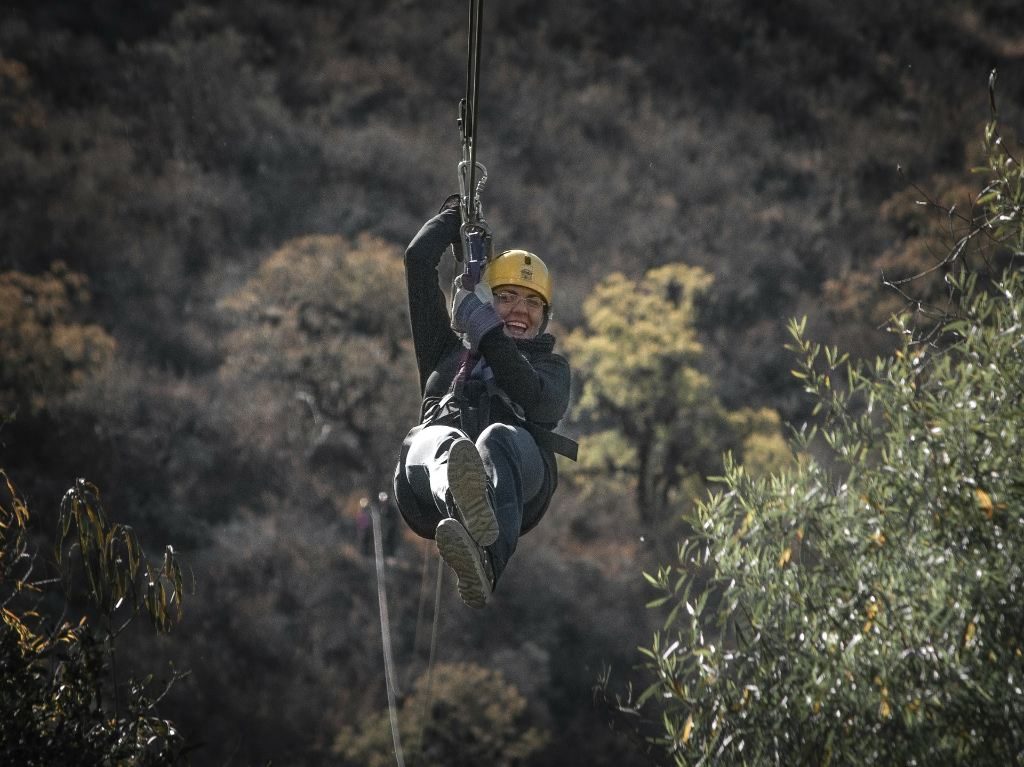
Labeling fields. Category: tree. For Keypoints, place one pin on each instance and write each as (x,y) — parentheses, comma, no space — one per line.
(321,343)
(60,702)
(473,716)
(866,609)
(48,347)
(934,228)
(651,416)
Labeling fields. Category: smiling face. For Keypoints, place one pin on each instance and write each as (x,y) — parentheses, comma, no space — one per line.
(522,310)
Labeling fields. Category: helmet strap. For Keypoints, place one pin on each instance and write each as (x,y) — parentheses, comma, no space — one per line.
(544,323)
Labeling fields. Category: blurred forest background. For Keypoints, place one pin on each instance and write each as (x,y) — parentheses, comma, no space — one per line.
(202,308)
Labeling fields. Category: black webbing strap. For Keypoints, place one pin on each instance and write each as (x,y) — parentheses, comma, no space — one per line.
(556,443)
(553,441)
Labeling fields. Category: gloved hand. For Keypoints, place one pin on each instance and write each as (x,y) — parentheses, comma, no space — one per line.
(473,312)
(481,296)
(452,203)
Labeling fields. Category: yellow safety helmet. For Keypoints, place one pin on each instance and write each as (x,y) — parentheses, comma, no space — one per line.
(519,267)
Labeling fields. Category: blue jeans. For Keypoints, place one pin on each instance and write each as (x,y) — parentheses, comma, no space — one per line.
(514,468)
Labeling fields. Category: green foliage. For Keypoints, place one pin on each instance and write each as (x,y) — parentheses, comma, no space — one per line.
(114,563)
(59,702)
(1002,199)
(652,415)
(47,348)
(869,611)
(638,334)
(475,717)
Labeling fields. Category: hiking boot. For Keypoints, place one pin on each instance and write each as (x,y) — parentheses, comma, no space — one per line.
(468,560)
(470,490)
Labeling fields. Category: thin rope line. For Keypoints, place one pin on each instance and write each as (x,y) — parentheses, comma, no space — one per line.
(430,660)
(420,610)
(385,636)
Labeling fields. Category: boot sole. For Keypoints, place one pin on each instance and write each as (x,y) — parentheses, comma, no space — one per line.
(468,484)
(461,555)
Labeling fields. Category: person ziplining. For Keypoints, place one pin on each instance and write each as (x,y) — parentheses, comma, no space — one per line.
(478,470)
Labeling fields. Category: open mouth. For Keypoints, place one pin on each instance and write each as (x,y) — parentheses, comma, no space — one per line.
(515,327)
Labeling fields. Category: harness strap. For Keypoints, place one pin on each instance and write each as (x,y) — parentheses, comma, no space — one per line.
(455,408)
(466,364)
(553,441)
(556,443)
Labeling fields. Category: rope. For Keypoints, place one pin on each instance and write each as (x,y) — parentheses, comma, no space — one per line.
(472,97)
(420,609)
(428,692)
(385,635)
(390,676)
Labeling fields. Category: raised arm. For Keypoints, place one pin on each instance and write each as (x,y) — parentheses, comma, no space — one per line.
(431,326)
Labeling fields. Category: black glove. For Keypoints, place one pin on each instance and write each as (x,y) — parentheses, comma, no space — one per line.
(454,202)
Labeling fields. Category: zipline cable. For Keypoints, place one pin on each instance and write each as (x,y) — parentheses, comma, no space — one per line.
(472,104)
(474,234)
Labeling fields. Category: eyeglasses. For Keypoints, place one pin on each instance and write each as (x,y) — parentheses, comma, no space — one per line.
(510,299)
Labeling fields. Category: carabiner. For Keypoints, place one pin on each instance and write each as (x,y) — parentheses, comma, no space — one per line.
(472,208)
(478,246)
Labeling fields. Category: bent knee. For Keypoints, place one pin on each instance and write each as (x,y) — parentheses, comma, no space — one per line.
(505,435)
(498,431)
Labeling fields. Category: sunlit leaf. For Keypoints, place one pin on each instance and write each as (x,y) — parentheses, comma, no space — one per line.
(687,729)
